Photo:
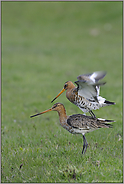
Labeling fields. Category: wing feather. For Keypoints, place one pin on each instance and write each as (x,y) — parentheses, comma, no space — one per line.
(88,85)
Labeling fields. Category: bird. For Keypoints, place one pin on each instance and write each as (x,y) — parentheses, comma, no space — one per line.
(86,94)
(78,123)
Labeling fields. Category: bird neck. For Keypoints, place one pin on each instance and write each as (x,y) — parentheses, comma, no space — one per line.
(70,94)
(62,114)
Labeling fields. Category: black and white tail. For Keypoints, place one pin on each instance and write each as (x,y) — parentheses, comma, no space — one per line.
(105,122)
(109,103)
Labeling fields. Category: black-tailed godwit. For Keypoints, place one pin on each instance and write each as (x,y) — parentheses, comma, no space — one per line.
(86,94)
(78,123)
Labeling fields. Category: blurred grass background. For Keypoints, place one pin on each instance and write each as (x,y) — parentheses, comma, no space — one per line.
(45,44)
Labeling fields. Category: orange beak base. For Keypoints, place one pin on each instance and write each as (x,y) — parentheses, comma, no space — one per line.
(58,95)
(41,113)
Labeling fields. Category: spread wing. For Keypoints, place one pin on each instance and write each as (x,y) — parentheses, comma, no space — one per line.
(88,85)
(91,79)
(95,76)
(87,91)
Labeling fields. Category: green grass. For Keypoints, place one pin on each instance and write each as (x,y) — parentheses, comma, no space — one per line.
(45,44)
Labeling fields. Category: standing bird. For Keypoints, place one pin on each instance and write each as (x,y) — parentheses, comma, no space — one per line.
(78,123)
(86,94)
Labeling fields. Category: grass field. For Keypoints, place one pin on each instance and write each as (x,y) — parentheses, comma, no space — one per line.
(45,44)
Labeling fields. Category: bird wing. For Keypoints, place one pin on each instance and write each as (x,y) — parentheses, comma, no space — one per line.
(92,78)
(95,76)
(88,85)
(76,121)
(88,91)
(82,122)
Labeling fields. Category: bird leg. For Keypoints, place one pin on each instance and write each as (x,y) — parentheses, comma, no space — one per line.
(84,145)
(92,114)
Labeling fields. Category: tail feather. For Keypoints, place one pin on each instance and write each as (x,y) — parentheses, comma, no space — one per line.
(109,125)
(104,122)
(109,103)
(109,120)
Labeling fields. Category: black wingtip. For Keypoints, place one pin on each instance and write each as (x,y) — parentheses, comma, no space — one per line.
(110,125)
(110,121)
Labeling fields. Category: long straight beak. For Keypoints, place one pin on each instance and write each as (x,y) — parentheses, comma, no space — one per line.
(41,113)
(58,95)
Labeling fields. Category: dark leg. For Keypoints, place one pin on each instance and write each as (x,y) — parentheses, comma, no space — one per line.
(84,145)
(92,114)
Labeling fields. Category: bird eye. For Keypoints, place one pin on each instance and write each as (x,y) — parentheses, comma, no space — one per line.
(65,86)
(54,106)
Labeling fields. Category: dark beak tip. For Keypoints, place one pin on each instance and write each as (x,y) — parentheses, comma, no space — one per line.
(34,115)
(53,100)
(31,116)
